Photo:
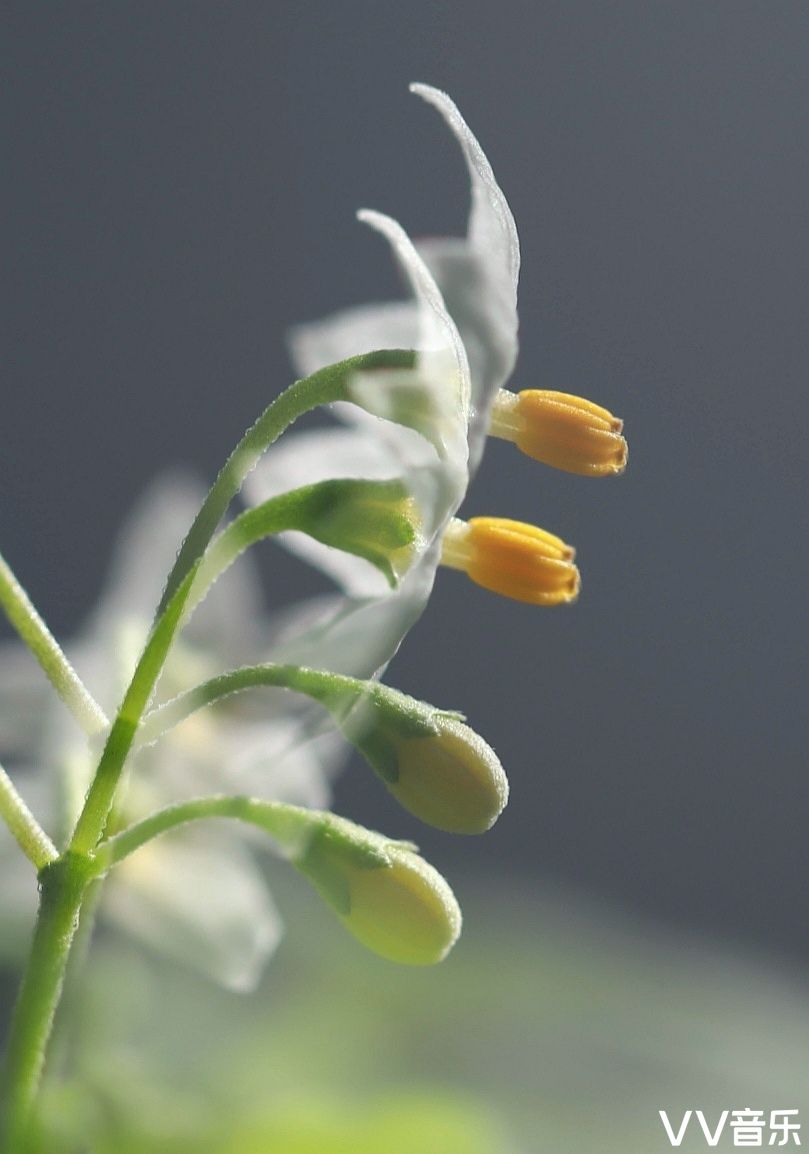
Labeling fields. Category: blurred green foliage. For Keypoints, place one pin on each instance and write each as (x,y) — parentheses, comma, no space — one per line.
(550,1027)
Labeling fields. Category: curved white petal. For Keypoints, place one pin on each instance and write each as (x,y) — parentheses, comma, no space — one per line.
(491,224)
(478,276)
(487,324)
(361,636)
(437,330)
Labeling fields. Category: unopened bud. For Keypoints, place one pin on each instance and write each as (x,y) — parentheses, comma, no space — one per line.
(562,430)
(512,558)
(435,766)
(385,894)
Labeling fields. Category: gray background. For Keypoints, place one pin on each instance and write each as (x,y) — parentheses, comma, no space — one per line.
(180,182)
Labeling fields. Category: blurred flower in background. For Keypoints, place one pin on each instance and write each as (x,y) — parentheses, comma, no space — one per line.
(198,896)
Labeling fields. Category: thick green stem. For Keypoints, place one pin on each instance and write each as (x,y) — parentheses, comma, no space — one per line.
(62,887)
(44,646)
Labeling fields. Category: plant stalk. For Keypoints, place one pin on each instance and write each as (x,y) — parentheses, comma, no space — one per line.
(62,887)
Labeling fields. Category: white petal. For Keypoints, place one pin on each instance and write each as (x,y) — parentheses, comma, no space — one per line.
(491,224)
(288,765)
(202,902)
(360,638)
(437,329)
(486,321)
(304,458)
(357,330)
(478,276)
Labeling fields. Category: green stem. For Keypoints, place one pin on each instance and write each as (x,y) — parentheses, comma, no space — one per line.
(62,886)
(101,794)
(44,646)
(323,387)
(70,1011)
(284,822)
(254,525)
(63,881)
(326,688)
(359,516)
(30,836)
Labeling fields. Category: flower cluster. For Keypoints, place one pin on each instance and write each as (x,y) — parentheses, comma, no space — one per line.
(420,384)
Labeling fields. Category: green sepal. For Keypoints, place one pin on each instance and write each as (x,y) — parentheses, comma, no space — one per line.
(370,519)
(375,520)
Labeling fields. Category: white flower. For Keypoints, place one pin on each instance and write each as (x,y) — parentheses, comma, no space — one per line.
(462,321)
(199,896)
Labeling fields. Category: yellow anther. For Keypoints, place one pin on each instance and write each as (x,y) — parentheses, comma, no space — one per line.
(567,432)
(513,559)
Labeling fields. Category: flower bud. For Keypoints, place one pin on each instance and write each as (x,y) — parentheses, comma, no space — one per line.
(439,769)
(384,893)
(511,558)
(561,430)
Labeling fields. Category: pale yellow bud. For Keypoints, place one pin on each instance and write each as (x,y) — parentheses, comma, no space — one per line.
(446,775)
(385,894)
